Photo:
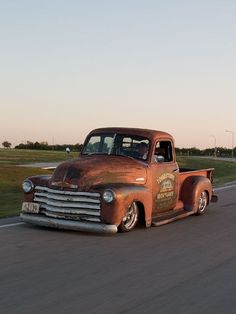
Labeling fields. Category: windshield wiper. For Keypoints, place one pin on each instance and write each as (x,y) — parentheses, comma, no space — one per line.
(122,155)
(97,153)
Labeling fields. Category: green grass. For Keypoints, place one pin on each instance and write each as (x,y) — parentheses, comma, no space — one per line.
(11,195)
(11,176)
(24,156)
(224,171)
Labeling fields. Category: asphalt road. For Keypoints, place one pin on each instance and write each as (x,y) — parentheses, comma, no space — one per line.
(188,266)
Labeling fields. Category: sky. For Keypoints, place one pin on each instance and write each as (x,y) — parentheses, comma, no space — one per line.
(69,66)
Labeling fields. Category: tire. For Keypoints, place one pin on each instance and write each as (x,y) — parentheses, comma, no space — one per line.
(202,203)
(130,219)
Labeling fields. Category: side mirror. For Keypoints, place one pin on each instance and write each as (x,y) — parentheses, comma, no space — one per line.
(159,158)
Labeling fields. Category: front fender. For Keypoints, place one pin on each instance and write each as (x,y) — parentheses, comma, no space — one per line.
(191,190)
(41,180)
(125,196)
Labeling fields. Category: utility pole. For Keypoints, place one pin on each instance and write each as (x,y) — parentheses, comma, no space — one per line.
(232,134)
(53,143)
(214,145)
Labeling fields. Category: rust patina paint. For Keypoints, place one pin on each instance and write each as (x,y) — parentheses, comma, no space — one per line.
(159,188)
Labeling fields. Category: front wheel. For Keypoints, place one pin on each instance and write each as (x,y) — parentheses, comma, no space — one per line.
(202,203)
(130,219)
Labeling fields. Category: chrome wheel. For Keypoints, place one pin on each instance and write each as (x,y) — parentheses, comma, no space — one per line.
(130,219)
(202,203)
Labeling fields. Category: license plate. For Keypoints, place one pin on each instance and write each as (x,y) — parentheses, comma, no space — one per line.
(30,208)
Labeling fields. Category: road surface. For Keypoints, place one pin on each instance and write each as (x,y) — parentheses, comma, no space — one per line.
(187,267)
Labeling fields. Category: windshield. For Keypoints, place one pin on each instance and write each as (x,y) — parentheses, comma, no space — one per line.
(117,144)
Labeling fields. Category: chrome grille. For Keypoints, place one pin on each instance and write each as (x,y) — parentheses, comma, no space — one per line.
(68,204)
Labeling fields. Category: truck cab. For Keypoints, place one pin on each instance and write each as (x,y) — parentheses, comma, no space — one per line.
(123,176)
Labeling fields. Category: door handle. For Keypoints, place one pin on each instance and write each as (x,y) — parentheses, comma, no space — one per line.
(176,170)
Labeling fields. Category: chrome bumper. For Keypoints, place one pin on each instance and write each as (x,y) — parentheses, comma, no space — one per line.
(40,220)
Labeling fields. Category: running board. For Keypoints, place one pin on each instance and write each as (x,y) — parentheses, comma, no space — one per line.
(166,220)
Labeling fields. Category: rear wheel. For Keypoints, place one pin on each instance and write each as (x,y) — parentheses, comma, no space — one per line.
(130,219)
(202,203)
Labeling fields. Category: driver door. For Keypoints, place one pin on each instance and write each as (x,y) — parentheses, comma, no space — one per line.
(164,178)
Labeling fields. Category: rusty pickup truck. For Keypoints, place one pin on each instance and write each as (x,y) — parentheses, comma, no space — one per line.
(123,177)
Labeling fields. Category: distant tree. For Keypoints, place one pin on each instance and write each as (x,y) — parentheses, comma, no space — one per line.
(20,146)
(45,146)
(44,143)
(29,145)
(6,144)
(78,147)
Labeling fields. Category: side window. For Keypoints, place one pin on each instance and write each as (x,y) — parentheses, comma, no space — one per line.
(163,151)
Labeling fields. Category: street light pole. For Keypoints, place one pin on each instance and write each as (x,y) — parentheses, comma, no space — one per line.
(232,133)
(214,145)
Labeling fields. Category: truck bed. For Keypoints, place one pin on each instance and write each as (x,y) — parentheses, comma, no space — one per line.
(186,172)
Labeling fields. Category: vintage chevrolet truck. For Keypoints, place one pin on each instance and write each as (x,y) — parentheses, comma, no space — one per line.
(123,177)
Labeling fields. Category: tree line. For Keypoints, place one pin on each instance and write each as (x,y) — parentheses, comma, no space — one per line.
(193,151)
(44,146)
(218,152)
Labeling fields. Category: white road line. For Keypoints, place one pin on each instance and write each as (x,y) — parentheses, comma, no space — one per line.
(225,187)
(12,225)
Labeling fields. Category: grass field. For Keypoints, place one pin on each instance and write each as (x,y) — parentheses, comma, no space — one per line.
(224,171)
(24,156)
(11,176)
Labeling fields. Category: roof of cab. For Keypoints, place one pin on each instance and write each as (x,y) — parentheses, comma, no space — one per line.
(150,134)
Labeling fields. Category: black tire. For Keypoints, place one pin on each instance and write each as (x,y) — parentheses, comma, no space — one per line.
(130,219)
(202,203)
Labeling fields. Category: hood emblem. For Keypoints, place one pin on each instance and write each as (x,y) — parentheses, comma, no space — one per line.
(63,184)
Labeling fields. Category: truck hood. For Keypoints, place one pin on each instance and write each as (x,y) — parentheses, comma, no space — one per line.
(88,171)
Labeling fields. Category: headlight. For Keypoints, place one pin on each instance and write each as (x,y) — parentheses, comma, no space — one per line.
(27,186)
(108,196)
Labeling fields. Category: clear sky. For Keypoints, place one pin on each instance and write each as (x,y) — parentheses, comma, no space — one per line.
(69,66)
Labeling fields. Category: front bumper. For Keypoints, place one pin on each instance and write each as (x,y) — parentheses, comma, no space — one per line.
(84,226)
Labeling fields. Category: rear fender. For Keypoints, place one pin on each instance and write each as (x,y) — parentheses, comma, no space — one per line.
(191,190)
